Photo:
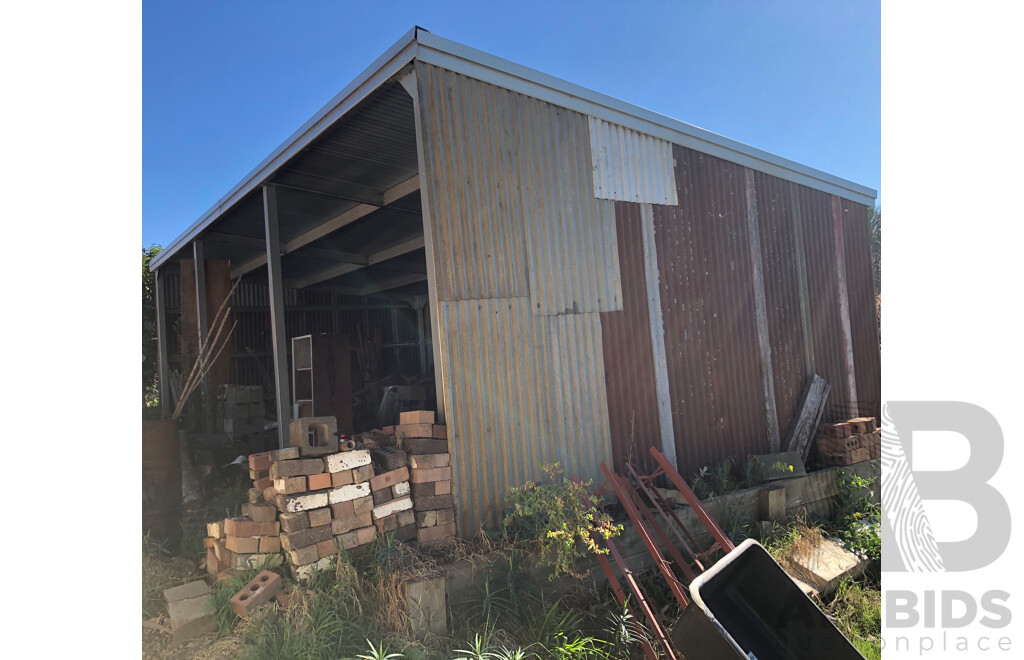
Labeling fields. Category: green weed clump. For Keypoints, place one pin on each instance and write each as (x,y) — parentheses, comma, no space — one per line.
(857,611)
(561,517)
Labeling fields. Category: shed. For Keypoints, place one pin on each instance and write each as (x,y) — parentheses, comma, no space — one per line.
(579,278)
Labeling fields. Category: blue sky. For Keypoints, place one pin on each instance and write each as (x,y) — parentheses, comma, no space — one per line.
(225,83)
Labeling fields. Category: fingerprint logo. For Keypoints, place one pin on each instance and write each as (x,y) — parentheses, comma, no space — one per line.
(903,506)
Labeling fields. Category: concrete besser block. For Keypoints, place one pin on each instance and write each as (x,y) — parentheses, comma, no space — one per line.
(314,436)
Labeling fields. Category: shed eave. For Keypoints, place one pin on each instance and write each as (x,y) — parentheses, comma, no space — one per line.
(383,68)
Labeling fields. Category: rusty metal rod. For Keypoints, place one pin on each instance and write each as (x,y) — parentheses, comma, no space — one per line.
(691,498)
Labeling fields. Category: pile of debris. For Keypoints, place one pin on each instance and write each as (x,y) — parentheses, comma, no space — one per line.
(326,494)
(853,441)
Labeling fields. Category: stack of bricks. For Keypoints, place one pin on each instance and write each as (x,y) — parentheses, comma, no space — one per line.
(249,541)
(392,501)
(241,408)
(849,442)
(430,472)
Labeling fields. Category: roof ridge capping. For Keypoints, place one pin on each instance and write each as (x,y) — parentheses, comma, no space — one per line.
(421,44)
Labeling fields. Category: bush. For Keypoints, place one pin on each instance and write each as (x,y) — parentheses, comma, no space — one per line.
(562,517)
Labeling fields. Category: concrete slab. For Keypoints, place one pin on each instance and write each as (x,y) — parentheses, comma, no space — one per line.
(186,591)
(425,601)
(823,564)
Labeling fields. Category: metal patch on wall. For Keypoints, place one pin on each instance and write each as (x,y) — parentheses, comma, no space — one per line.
(629,166)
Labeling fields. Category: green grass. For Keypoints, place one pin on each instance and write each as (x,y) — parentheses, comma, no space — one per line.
(857,609)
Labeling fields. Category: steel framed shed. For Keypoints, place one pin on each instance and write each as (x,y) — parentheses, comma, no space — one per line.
(597,278)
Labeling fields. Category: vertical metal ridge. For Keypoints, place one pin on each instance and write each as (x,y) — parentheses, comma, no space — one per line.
(839,253)
(629,166)
(863,319)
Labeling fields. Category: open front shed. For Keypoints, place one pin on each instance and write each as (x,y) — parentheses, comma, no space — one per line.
(579,278)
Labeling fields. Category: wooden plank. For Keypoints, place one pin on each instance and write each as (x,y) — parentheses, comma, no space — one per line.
(805,426)
(771,417)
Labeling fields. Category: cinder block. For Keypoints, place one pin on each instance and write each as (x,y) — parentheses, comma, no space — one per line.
(294,522)
(347,524)
(260,512)
(243,527)
(401,489)
(319,517)
(303,502)
(320,481)
(191,618)
(436,534)
(388,479)
(394,506)
(351,492)
(243,544)
(314,436)
(300,467)
(413,446)
(270,544)
(389,458)
(433,474)
(434,502)
(258,592)
(429,461)
(416,417)
(339,479)
(862,424)
(305,538)
(348,460)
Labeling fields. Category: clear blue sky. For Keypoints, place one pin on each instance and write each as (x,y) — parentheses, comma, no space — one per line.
(224,83)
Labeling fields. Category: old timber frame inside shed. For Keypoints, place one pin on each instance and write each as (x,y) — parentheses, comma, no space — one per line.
(570,277)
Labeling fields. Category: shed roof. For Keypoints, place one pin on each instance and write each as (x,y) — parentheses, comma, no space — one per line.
(374,110)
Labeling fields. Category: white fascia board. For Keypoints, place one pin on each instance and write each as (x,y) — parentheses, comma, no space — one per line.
(383,68)
(453,56)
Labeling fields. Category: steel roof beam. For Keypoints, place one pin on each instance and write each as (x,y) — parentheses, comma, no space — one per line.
(397,250)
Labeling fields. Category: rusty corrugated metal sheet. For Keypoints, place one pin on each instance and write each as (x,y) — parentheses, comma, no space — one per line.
(708,304)
(779,258)
(630,166)
(511,186)
(823,294)
(524,390)
(863,322)
(628,354)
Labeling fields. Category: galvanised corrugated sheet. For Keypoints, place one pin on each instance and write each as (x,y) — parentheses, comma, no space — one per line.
(823,292)
(707,300)
(863,322)
(628,355)
(630,166)
(777,231)
(524,390)
(511,188)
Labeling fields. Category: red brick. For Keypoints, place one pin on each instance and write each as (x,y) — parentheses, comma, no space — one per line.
(387,524)
(212,563)
(290,485)
(302,556)
(423,490)
(363,505)
(362,473)
(382,496)
(435,533)
(260,512)
(263,484)
(294,522)
(327,548)
(433,503)
(319,517)
(440,432)
(258,592)
(260,461)
(443,487)
(862,424)
(344,509)
(242,545)
(347,524)
(433,474)
(357,537)
(269,494)
(339,479)
(286,454)
(243,527)
(445,516)
(215,529)
(320,481)
(414,431)
(298,468)
(255,495)
(209,543)
(305,538)
(405,533)
(428,461)
(388,430)
(270,544)
(256,475)
(388,479)
(416,417)
(424,446)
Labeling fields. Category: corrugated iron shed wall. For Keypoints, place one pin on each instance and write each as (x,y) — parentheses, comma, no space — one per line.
(708,304)
(628,355)
(863,322)
(525,259)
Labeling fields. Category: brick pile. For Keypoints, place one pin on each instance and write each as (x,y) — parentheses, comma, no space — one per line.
(430,474)
(322,496)
(849,442)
